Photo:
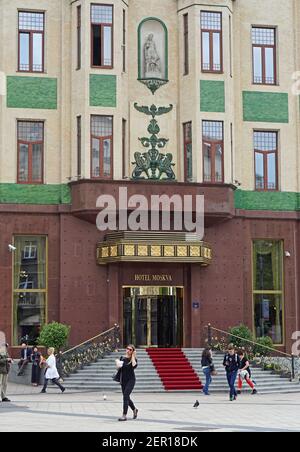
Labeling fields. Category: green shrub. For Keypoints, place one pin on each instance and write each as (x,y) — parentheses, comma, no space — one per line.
(54,335)
(263,342)
(244,333)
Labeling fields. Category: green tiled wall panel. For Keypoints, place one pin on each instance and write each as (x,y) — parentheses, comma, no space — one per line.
(275,201)
(103,90)
(32,92)
(212,96)
(265,107)
(35,194)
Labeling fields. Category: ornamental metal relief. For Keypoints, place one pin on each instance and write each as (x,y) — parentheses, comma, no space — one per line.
(153,165)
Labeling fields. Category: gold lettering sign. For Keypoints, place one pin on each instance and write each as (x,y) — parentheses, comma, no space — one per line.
(153,278)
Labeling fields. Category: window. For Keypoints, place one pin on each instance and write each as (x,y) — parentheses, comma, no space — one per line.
(124,149)
(30,152)
(188,151)
(30,288)
(31,42)
(264,55)
(102,131)
(124,41)
(102,37)
(213,145)
(266,151)
(78,37)
(268,289)
(78,146)
(186,43)
(211,35)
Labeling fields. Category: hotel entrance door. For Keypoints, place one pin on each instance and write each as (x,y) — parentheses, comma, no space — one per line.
(153,316)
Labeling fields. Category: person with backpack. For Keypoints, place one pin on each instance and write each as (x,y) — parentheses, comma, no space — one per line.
(244,373)
(232,364)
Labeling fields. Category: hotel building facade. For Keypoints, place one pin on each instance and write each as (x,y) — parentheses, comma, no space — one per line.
(158,97)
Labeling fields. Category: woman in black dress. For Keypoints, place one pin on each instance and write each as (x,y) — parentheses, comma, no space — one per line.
(128,364)
(36,370)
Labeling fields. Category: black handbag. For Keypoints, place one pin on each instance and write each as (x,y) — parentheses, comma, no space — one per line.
(117,376)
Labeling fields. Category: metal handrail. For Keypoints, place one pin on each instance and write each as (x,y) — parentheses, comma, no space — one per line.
(278,352)
(88,351)
(251,342)
(89,340)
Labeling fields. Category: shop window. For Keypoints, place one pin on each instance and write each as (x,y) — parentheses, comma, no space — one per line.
(268,289)
(30,288)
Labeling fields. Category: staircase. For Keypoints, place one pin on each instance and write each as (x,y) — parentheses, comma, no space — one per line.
(174,369)
(266,382)
(98,376)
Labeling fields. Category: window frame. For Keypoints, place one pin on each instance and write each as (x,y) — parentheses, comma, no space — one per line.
(211,45)
(30,33)
(185,147)
(265,162)
(101,140)
(263,56)
(30,160)
(79,36)
(102,25)
(186,62)
(214,144)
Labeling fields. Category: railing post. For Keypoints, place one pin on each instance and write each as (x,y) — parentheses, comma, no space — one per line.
(293,367)
(209,335)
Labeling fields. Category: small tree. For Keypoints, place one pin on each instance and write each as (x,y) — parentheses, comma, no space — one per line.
(54,335)
(244,333)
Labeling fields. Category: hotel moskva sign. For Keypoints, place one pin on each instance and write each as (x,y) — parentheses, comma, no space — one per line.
(153,247)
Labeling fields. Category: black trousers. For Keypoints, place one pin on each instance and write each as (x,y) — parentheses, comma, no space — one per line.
(35,374)
(55,381)
(127,388)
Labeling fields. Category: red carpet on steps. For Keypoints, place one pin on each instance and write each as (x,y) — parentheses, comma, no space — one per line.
(174,369)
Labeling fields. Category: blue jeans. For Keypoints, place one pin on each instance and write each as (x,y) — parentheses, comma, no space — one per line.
(231,378)
(207,374)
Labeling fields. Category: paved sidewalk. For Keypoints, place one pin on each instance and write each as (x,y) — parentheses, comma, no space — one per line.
(88,412)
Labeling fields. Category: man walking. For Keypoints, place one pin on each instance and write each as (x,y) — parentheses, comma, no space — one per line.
(5,363)
(232,364)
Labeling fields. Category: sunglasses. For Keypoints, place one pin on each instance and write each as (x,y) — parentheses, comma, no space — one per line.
(129,349)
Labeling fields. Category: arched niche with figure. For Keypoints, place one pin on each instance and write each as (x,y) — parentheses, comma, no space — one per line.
(152,53)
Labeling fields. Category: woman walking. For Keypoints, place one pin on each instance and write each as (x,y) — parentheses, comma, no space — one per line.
(127,380)
(36,358)
(245,373)
(51,372)
(207,368)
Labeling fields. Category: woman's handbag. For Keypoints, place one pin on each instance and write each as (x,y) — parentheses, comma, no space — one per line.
(117,376)
(213,371)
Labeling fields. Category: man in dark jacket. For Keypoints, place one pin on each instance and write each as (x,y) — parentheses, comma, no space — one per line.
(232,364)
(26,353)
(5,363)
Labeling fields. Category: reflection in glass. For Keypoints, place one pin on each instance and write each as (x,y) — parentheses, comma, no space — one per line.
(24,52)
(37,51)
